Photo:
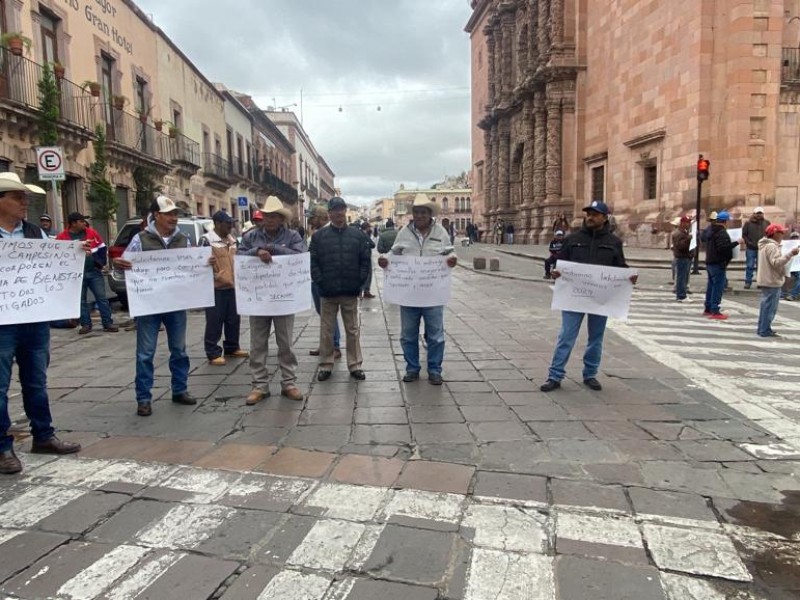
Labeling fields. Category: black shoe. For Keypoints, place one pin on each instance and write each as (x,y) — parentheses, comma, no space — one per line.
(144,410)
(435,379)
(411,376)
(358,374)
(550,385)
(323,375)
(184,398)
(54,446)
(593,384)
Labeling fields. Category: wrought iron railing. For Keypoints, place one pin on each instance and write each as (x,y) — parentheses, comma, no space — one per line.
(216,166)
(277,186)
(184,150)
(129,131)
(790,65)
(19,84)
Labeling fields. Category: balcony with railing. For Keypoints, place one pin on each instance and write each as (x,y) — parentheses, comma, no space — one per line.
(277,187)
(216,168)
(184,152)
(126,133)
(790,66)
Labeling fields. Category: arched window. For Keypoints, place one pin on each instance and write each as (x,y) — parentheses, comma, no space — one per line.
(444,204)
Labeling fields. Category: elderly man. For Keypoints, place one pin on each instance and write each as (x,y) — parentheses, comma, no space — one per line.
(223,315)
(272,238)
(161,233)
(26,343)
(592,244)
(682,256)
(340,264)
(319,219)
(771,276)
(46,225)
(424,237)
(78,229)
(752,232)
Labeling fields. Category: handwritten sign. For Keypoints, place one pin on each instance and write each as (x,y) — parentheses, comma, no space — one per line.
(786,247)
(281,287)
(693,242)
(164,281)
(593,289)
(736,235)
(40,280)
(417,280)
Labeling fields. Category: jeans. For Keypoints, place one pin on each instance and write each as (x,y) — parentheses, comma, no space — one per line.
(368,283)
(93,280)
(751,262)
(434,337)
(570,327)
(146,340)
(222,315)
(715,287)
(549,263)
(337,334)
(770,296)
(682,267)
(794,289)
(29,344)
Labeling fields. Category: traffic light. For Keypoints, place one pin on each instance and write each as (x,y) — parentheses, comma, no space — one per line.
(702,168)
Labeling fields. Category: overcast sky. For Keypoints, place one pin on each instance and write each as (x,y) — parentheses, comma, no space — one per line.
(410,57)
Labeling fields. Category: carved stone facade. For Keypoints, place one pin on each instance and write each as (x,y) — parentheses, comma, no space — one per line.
(575,101)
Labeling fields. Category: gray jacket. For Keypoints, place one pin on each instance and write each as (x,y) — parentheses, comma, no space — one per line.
(285,241)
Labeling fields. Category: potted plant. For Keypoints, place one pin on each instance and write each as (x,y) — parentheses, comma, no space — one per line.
(158,124)
(173,130)
(15,41)
(118,101)
(93,87)
(59,70)
(144,113)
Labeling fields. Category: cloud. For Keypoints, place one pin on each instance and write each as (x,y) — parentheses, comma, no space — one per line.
(408,57)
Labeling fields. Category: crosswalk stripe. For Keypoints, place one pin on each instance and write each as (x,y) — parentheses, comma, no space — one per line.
(293,585)
(328,546)
(36,504)
(506,576)
(144,577)
(184,526)
(96,578)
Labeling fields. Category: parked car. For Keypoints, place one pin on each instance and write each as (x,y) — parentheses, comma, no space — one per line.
(194,227)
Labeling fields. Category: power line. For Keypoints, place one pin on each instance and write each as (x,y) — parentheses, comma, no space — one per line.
(369,93)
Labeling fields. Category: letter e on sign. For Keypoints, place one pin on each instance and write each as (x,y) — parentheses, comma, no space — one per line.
(50,163)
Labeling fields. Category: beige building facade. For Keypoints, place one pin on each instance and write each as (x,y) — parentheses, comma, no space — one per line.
(614,101)
(455,203)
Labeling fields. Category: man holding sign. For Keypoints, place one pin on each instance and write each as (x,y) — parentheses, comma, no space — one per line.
(593,244)
(27,343)
(423,237)
(161,233)
(272,238)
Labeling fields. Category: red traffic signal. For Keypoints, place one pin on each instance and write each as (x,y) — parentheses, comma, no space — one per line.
(702,168)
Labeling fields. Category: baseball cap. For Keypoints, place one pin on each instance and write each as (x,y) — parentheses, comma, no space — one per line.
(163,204)
(774,228)
(758,209)
(74,217)
(597,206)
(336,202)
(45,217)
(723,215)
(559,232)
(686,219)
(258,216)
(222,217)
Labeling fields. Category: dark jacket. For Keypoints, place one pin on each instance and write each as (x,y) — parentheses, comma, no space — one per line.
(386,240)
(600,247)
(555,247)
(719,249)
(340,261)
(31,231)
(753,231)
(681,240)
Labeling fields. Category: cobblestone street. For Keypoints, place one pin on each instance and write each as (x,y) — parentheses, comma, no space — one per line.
(678,481)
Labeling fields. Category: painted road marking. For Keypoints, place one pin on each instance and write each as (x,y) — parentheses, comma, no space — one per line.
(328,546)
(144,577)
(293,585)
(506,576)
(36,504)
(98,577)
(184,526)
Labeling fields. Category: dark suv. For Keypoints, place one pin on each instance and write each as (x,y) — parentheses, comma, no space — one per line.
(194,227)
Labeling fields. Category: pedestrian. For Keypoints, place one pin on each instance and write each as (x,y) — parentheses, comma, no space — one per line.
(340,264)
(592,244)
(719,252)
(78,229)
(272,238)
(424,237)
(27,344)
(470,231)
(510,233)
(560,223)
(318,220)
(793,282)
(161,233)
(46,225)
(387,237)
(556,244)
(682,256)
(223,316)
(499,230)
(366,228)
(752,232)
(770,275)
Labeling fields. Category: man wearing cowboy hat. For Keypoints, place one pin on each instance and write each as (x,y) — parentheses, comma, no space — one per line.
(272,238)
(340,264)
(423,237)
(27,343)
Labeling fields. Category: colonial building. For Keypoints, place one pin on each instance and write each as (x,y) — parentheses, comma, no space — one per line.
(453,196)
(614,101)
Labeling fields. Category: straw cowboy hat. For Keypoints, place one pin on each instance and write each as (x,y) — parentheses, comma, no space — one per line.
(273,205)
(422,201)
(10,182)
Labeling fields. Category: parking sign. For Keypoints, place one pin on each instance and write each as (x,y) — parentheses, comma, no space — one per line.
(243,201)
(50,163)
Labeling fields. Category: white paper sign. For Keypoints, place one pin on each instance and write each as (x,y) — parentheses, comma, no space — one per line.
(593,289)
(281,287)
(417,280)
(693,242)
(40,280)
(736,235)
(163,281)
(786,247)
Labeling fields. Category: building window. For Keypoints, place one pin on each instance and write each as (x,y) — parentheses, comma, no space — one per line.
(49,25)
(444,204)
(598,183)
(177,118)
(3,24)
(107,81)
(140,91)
(650,181)
(239,155)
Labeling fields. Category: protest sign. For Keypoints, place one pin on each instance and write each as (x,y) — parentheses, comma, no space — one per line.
(280,287)
(736,235)
(693,242)
(786,247)
(40,280)
(417,280)
(162,281)
(593,289)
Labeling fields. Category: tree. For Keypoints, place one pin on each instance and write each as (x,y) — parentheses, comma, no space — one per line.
(101,194)
(49,107)
(146,189)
